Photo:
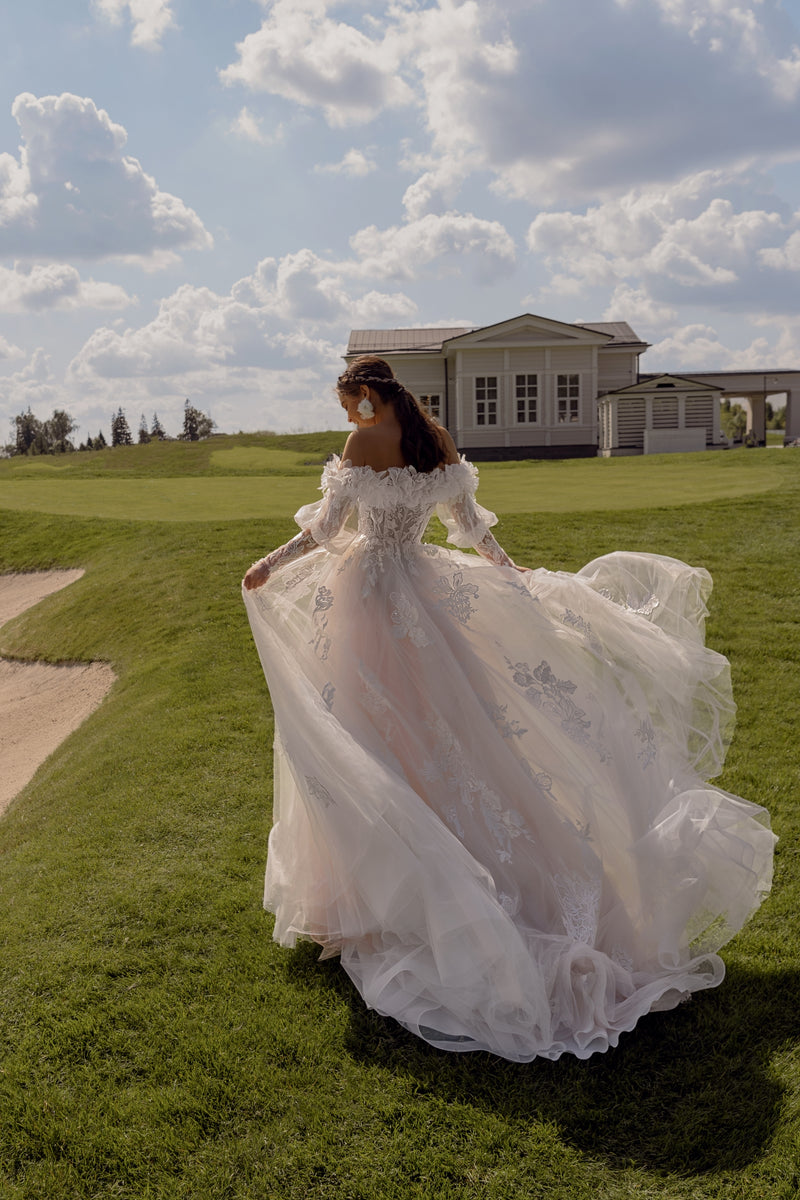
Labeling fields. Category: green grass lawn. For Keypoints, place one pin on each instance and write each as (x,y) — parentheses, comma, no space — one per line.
(157,1046)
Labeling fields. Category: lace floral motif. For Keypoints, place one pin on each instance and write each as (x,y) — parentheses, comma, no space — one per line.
(450,765)
(579,899)
(576,621)
(405,619)
(455,596)
(634,604)
(553,695)
(647,735)
(323,602)
(319,791)
(498,713)
(328,692)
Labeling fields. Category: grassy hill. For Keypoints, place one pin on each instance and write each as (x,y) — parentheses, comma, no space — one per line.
(156,1044)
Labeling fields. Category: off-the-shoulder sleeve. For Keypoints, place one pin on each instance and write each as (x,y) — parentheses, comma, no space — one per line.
(466,521)
(325,519)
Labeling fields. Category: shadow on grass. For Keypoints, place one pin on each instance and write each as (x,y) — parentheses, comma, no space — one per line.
(688,1091)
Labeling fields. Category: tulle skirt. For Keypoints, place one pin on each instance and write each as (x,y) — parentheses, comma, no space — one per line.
(490,791)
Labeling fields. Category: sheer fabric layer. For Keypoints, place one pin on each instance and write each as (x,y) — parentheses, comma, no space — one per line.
(490,792)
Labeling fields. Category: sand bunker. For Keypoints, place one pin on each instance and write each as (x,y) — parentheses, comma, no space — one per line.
(40,704)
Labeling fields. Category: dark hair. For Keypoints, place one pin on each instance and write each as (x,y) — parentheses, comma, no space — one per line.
(421,441)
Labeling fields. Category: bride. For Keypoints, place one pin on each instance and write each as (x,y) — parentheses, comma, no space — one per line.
(490,795)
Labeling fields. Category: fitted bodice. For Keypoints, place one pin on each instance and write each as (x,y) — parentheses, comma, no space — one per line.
(394,526)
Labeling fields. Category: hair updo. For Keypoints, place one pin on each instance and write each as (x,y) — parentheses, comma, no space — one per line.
(421,441)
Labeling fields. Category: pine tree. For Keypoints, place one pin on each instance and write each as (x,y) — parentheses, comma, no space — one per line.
(157,429)
(100,442)
(144,436)
(120,430)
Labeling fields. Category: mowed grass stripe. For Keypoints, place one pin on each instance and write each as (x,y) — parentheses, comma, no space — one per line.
(545,487)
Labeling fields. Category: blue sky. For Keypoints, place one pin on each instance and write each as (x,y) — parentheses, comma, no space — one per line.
(199,198)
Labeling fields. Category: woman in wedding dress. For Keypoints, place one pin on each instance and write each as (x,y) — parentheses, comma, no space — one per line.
(490,795)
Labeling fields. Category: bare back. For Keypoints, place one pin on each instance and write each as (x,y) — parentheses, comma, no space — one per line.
(378,447)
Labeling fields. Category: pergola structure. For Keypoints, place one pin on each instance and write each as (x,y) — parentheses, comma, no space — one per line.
(756,387)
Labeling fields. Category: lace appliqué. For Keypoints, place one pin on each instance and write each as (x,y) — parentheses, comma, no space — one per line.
(455,596)
(323,602)
(450,765)
(576,621)
(498,714)
(328,692)
(647,735)
(634,604)
(405,619)
(319,791)
(552,695)
(301,544)
(579,899)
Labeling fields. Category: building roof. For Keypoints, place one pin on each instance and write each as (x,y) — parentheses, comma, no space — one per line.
(373,341)
(399,341)
(620,332)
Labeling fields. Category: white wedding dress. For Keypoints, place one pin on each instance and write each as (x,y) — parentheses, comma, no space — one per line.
(489,786)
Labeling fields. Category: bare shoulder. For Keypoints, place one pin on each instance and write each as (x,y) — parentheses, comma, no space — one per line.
(452,455)
(354,449)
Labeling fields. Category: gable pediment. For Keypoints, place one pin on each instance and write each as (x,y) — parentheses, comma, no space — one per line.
(527,330)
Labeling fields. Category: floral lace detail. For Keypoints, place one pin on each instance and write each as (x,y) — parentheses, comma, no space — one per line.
(553,695)
(576,621)
(450,765)
(405,619)
(328,692)
(647,735)
(579,899)
(633,604)
(323,602)
(498,714)
(455,596)
(318,791)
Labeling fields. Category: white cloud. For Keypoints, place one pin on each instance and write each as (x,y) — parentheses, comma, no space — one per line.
(75,194)
(785,257)
(35,287)
(354,163)
(150,19)
(451,241)
(300,53)
(672,243)
(247,126)
(34,386)
(8,350)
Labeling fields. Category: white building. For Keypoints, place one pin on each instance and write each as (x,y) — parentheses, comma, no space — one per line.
(531,387)
(523,388)
(660,414)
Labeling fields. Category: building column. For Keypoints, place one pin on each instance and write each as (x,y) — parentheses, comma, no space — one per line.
(757,417)
(792,430)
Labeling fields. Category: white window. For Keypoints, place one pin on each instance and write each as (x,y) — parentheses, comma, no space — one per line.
(568,394)
(527,393)
(432,405)
(485,399)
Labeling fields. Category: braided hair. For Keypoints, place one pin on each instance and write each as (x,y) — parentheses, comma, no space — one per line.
(421,441)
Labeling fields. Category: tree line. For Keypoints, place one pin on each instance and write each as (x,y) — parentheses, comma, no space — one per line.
(54,436)
(733,419)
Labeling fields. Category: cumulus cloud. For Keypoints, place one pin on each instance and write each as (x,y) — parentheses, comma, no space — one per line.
(74,193)
(248,127)
(36,287)
(9,351)
(305,56)
(150,19)
(673,244)
(558,100)
(354,163)
(449,240)
(31,387)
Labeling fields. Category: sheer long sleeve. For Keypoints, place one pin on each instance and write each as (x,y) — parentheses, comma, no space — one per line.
(325,519)
(468,524)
